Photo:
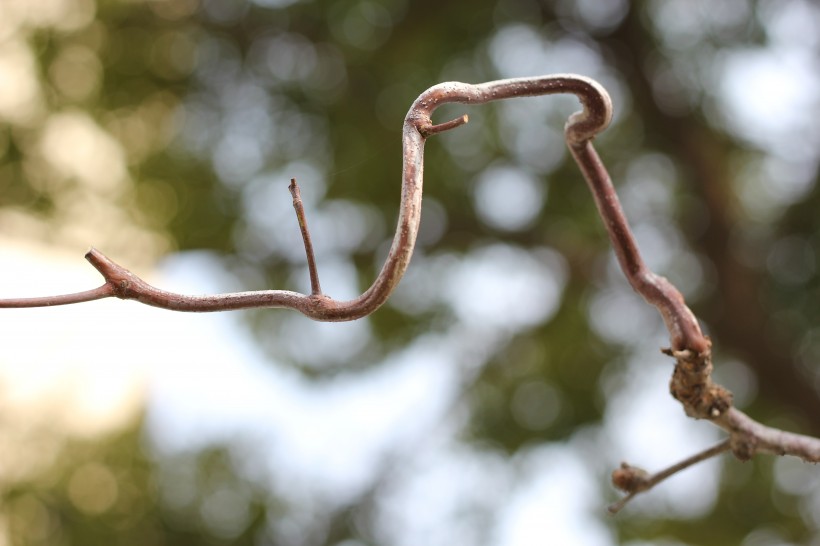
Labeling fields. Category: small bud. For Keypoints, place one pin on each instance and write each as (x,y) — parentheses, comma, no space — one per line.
(630,479)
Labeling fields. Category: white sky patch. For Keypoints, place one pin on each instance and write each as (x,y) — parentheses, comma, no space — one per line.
(508,198)
(769,96)
(85,367)
(553,503)
(443,495)
(506,287)
(518,50)
(326,437)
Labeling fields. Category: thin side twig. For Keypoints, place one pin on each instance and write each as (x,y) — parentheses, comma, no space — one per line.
(634,481)
(315,287)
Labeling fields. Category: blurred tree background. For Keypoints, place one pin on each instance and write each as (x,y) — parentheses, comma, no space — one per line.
(152,128)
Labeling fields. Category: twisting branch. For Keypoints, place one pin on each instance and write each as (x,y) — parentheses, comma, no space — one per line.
(418,126)
(691,382)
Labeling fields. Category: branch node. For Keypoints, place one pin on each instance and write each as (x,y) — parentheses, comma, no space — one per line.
(744,447)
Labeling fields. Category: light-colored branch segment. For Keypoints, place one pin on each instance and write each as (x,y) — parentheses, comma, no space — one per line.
(104,291)
(748,438)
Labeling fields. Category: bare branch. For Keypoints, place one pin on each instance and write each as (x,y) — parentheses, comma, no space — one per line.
(680,321)
(418,125)
(691,382)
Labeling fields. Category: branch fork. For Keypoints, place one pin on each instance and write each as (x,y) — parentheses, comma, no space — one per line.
(691,382)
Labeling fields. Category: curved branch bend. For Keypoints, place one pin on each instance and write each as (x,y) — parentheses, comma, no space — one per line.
(418,126)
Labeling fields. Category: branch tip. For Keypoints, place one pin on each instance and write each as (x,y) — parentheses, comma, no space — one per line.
(430,130)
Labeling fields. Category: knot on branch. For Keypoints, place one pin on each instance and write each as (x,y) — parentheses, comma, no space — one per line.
(123,284)
(744,446)
(693,387)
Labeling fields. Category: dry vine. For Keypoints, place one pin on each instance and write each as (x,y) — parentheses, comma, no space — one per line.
(691,383)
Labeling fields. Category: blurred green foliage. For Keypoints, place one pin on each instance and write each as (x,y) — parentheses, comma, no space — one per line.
(216,104)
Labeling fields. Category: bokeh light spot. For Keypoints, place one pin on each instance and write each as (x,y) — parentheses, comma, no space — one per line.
(508,198)
(93,488)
